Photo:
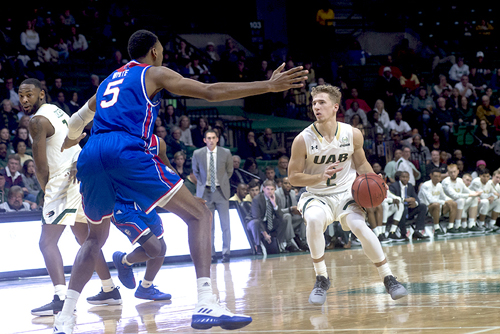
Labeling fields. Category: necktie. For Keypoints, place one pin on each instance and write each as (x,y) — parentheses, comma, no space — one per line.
(212,172)
(406,192)
(269,215)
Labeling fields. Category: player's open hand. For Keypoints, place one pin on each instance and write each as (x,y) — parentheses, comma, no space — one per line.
(330,170)
(281,81)
(71,142)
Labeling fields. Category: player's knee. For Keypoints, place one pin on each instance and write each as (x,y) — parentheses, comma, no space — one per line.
(315,218)
(155,247)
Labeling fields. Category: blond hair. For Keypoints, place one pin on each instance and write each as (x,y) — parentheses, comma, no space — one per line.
(496,172)
(332,91)
(452,166)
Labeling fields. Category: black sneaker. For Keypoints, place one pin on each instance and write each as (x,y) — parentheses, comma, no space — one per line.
(52,308)
(453,231)
(383,239)
(110,298)
(394,288)
(439,233)
(394,237)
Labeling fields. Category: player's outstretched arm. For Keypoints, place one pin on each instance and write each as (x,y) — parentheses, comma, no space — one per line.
(297,163)
(77,123)
(164,78)
(358,157)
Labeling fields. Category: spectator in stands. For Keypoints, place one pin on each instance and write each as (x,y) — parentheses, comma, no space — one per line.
(404,55)
(383,114)
(443,84)
(58,87)
(5,138)
(8,92)
(3,191)
(250,148)
(15,201)
(199,71)
(409,80)
(461,168)
(356,110)
(241,194)
(12,172)
(311,75)
(46,54)
(210,50)
(92,89)
(480,166)
(270,175)
(269,146)
(174,144)
(185,126)
(464,114)
(436,143)
(30,39)
(287,201)
(484,28)
(3,155)
(436,164)
(477,80)
(458,70)
(488,139)
(422,101)
(388,62)
(354,98)
(73,104)
(377,127)
(198,133)
(432,195)
(178,164)
(486,112)
(182,51)
(30,181)
(381,152)
(9,117)
(483,67)
(239,175)
(400,126)
(440,56)
(281,170)
(325,15)
(20,149)
(219,127)
(495,80)
(420,155)
(230,54)
(161,132)
(444,119)
(170,118)
(69,20)
(62,48)
(77,42)
(405,165)
(403,188)
(251,167)
(61,104)
(390,167)
(388,88)
(453,101)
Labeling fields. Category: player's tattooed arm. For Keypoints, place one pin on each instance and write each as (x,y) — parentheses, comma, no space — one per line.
(39,128)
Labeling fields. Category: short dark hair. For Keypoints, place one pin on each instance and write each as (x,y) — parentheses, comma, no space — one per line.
(140,43)
(254,183)
(483,171)
(211,131)
(32,81)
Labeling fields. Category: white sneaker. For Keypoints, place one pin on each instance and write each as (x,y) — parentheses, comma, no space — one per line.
(209,313)
(64,327)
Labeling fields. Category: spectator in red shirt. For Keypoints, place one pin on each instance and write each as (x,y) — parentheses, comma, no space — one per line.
(354,97)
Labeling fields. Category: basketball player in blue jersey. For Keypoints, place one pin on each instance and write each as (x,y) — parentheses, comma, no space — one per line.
(146,230)
(325,158)
(116,160)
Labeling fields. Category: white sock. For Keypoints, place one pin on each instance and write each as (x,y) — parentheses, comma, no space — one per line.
(124,260)
(437,227)
(146,284)
(464,224)
(492,223)
(394,228)
(60,291)
(458,222)
(107,285)
(204,288)
(472,222)
(384,271)
(450,225)
(480,223)
(69,304)
(320,268)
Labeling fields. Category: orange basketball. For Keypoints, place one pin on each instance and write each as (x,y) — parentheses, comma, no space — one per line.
(368,190)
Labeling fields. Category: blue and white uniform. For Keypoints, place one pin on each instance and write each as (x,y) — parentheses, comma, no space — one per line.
(116,161)
(131,220)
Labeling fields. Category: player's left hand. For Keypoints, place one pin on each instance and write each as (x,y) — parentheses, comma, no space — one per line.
(71,142)
(382,177)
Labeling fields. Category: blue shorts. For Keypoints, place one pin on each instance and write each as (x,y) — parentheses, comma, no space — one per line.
(116,163)
(136,223)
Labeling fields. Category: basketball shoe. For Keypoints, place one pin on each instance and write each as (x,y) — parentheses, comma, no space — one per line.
(52,308)
(394,288)
(209,313)
(318,295)
(64,326)
(112,297)
(125,273)
(151,293)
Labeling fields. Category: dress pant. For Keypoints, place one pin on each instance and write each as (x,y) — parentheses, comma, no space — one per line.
(216,201)
(294,226)
(255,228)
(420,211)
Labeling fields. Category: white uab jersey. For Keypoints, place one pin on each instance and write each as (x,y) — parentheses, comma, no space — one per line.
(58,161)
(321,154)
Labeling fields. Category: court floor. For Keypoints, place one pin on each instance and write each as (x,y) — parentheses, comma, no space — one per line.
(453,287)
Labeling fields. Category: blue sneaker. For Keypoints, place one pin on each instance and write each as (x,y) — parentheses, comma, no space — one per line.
(210,313)
(125,273)
(151,293)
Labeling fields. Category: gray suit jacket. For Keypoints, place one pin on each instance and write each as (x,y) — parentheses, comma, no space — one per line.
(281,201)
(224,170)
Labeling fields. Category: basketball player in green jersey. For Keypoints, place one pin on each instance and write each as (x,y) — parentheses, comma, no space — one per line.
(325,158)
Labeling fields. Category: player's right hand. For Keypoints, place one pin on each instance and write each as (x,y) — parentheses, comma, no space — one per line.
(281,81)
(330,170)
(71,142)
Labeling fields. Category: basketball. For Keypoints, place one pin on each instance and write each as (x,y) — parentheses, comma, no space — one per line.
(368,190)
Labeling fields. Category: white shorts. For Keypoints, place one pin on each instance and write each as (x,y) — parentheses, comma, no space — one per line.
(62,201)
(336,206)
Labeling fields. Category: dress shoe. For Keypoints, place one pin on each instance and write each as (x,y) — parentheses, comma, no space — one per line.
(302,244)
(226,258)
(331,245)
(293,249)
(417,235)
(214,259)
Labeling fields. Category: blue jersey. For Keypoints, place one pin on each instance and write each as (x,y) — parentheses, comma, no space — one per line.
(123,103)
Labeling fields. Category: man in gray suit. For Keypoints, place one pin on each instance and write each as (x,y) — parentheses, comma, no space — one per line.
(213,167)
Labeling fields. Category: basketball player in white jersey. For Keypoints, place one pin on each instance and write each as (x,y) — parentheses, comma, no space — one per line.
(62,201)
(489,204)
(325,159)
